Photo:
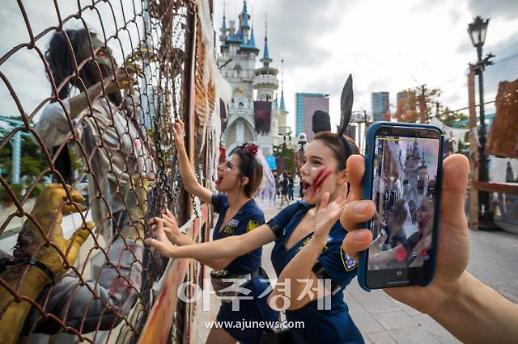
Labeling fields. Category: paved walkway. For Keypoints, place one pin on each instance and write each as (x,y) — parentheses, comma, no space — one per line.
(381,319)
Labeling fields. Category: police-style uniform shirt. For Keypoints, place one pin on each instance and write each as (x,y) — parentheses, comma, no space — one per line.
(333,325)
(247,218)
(255,307)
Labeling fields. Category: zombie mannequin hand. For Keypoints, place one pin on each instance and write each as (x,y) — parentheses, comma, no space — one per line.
(48,211)
(137,214)
(43,241)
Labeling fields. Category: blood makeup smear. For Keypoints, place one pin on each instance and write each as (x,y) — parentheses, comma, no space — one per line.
(322,174)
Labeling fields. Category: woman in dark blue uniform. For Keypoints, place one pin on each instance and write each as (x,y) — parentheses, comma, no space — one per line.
(307,248)
(239,177)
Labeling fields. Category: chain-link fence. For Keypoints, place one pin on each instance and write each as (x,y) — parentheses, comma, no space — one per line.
(90,91)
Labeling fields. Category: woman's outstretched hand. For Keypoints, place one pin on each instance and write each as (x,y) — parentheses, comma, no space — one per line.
(171,229)
(326,216)
(160,241)
(179,134)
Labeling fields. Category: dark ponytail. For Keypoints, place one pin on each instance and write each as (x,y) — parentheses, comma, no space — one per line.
(249,167)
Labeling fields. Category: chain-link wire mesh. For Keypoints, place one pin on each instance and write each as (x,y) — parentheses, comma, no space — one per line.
(93,88)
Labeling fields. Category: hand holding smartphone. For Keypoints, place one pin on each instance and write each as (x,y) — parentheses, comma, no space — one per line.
(403,179)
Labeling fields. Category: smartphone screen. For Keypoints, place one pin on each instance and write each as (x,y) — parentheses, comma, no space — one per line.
(406,174)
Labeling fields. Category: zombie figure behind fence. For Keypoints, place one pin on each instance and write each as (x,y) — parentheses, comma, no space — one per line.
(106,134)
(100,125)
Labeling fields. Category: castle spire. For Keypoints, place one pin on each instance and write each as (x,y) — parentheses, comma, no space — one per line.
(223,29)
(266,54)
(282,106)
(244,17)
(251,41)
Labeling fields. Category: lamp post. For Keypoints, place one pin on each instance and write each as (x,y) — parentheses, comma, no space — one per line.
(477,31)
(284,135)
(300,157)
(302,143)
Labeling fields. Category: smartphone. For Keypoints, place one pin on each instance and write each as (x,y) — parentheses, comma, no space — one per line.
(403,170)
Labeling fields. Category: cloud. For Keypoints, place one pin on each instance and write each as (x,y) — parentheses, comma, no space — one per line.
(295,28)
(505,65)
(496,8)
(387,47)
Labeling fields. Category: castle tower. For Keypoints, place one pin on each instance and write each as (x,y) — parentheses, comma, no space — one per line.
(237,60)
(266,82)
(250,118)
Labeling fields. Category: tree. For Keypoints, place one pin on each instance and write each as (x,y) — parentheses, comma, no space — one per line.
(427,100)
(449,117)
(32,159)
(416,104)
(287,156)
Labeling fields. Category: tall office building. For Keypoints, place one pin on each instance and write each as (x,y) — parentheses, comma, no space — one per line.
(306,104)
(379,105)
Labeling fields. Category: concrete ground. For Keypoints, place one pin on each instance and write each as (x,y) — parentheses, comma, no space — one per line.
(381,319)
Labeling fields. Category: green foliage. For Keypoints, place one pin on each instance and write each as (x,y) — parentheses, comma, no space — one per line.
(5,196)
(32,160)
(287,155)
(429,96)
(449,118)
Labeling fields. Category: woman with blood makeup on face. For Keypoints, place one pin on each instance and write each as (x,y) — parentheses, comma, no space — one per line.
(307,251)
(239,177)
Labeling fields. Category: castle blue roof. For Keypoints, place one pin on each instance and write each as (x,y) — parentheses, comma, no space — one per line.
(235,38)
(251,43)
(266,53)
(245,16)
(244,22)
(282,107)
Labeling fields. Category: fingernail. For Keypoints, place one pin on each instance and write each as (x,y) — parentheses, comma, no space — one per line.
(360,206)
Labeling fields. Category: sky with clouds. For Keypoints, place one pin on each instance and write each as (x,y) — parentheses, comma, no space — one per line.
(385,45)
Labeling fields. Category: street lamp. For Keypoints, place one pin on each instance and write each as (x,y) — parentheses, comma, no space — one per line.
(284,135)
(477,32)
(302,141)
(300,157)
(300,154)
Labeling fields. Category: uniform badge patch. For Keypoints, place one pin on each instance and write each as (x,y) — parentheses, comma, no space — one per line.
(349,263)
(252,225)
(228,229)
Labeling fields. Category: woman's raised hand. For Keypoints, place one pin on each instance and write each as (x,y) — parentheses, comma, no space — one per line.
(160,242)
(179,133)
(172,230)
(326,215)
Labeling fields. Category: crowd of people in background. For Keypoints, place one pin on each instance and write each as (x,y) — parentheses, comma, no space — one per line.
(285,187)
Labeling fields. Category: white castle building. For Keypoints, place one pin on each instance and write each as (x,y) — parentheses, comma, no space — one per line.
(260,118)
